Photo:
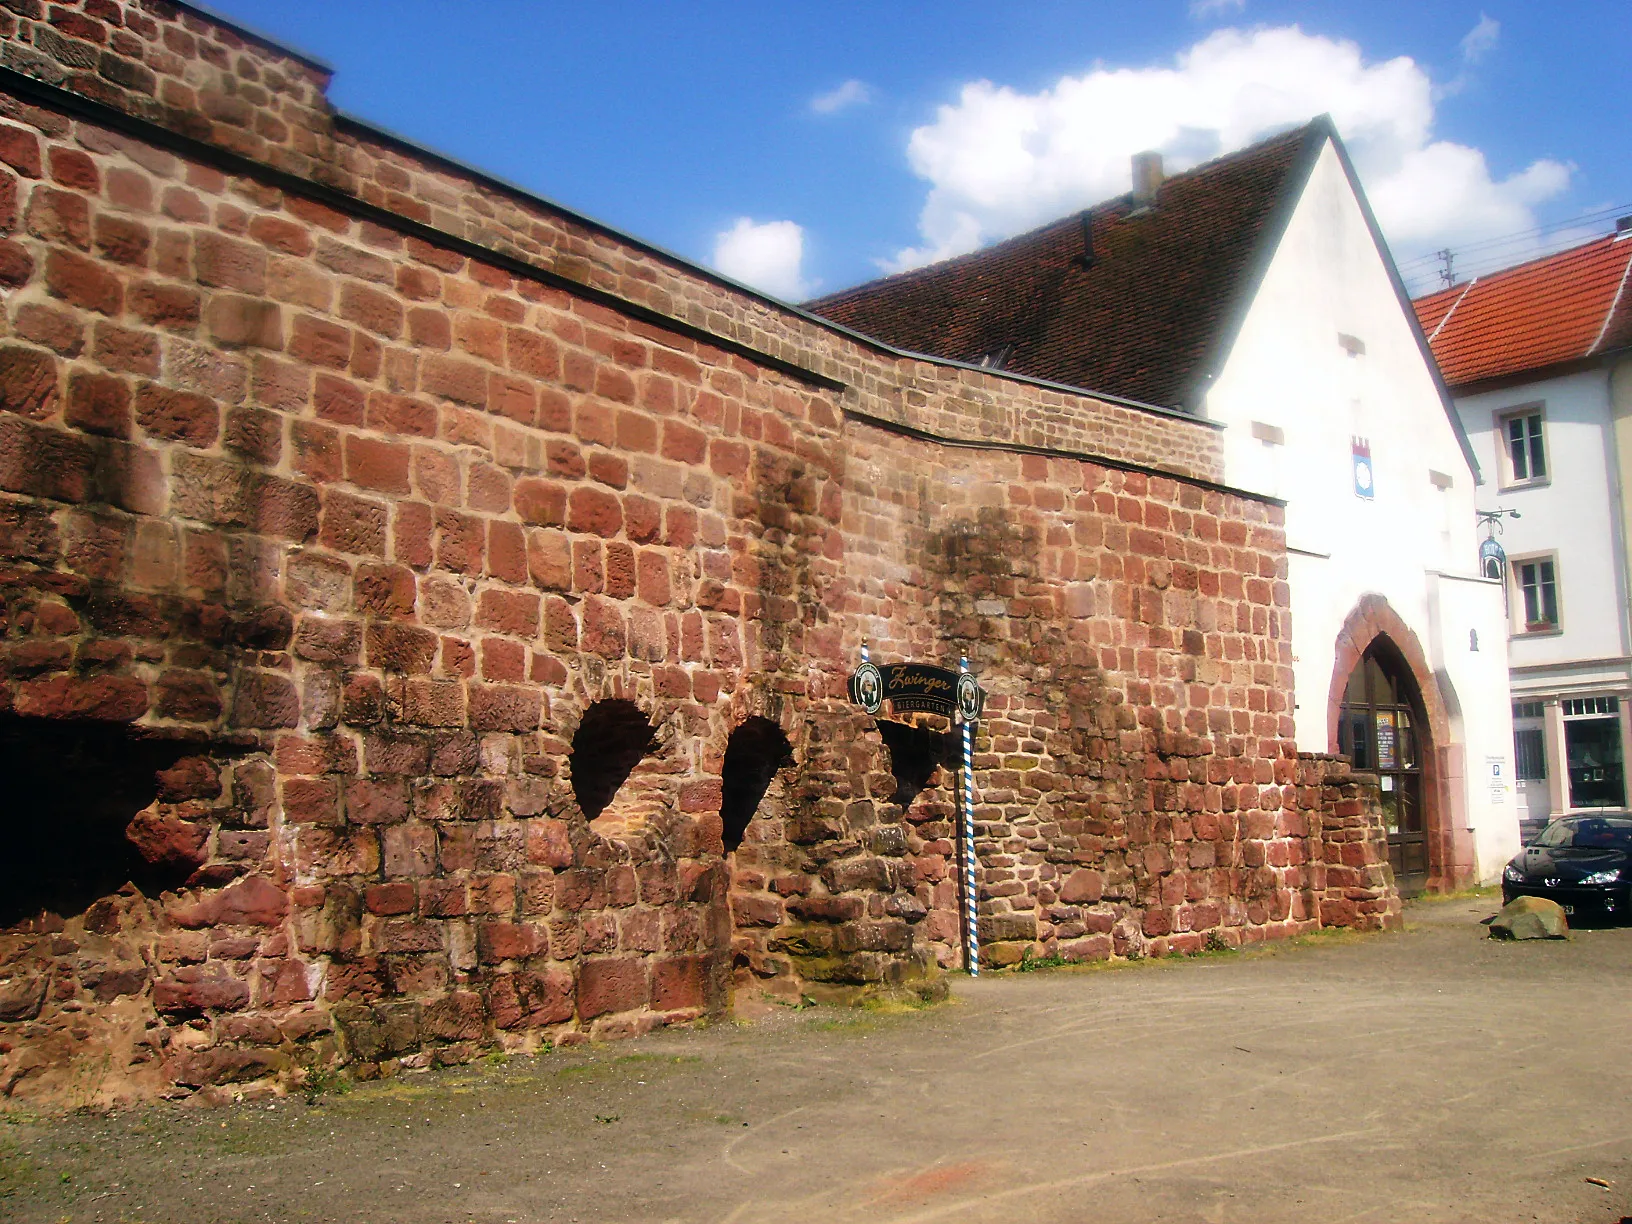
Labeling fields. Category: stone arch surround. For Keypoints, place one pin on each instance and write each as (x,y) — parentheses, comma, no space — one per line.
(1450,846)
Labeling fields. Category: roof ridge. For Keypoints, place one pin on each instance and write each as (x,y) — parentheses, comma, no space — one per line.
(1614,305)
(1447,318)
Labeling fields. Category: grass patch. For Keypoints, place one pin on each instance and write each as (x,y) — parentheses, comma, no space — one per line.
(322,1082)
(16,1170)
(1461,894)
(895,1005)
(1031,964)
(1218,951)
(589,1071)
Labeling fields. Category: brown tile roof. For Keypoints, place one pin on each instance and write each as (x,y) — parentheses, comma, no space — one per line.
(1556,309)
(1144,321)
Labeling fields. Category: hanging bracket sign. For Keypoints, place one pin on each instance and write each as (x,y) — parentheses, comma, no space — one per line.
(957,695)
(917,686)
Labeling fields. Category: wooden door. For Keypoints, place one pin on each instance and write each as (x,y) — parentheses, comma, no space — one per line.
(1379,730)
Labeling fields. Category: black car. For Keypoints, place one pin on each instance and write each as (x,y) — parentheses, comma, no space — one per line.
(1582,862)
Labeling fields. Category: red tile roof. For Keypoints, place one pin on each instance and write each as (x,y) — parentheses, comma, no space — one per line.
(1143,321)
(1547,312)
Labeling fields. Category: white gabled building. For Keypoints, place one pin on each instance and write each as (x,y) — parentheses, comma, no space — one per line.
(1257,292)
(1539,359)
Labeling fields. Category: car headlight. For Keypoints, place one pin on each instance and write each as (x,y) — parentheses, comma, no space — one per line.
(1512,874)
(1602,877)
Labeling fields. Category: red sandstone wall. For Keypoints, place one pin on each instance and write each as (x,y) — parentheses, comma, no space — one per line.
(350,528)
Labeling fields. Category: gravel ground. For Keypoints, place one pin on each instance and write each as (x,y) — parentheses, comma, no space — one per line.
(1424,1076)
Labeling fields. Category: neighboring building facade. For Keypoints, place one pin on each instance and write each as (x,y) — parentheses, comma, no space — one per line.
(1539,358)
(1255,293)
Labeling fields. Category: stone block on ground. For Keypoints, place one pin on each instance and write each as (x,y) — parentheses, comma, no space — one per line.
(1530,918)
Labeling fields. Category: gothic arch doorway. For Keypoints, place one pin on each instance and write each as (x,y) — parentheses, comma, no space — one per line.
(1407,687)
(1381,728)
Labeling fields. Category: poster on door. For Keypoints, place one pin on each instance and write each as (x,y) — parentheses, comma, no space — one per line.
(1387,743)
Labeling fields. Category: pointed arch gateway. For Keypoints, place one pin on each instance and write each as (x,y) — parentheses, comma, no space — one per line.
(1385,711)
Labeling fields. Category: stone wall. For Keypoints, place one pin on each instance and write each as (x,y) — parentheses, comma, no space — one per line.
(405,580)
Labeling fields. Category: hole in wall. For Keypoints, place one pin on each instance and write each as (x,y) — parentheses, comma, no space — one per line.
(609,743)
(68,792)
(753,754)
(915,754)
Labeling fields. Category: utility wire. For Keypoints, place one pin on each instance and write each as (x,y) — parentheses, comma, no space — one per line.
(1502,251)
(1584,221)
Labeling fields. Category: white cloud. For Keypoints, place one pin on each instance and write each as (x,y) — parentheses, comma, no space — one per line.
(999,161)
(851,93)
(767,256)
(1203,9)
(1475,45)
(1479,41)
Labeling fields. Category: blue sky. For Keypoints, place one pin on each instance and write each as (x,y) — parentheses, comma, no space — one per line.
(804,147)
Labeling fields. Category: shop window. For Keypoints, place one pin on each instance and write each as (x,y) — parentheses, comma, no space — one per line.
(1592,756)
(1537,603)
(610,741)
(1523,446)
(755,751)
(71,791)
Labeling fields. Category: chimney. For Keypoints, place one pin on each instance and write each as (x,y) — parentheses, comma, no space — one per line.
(1147,177)
(1086,259)
(1623,226)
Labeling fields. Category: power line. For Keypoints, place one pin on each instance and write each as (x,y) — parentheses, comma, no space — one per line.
(1518,237)
(1583,220)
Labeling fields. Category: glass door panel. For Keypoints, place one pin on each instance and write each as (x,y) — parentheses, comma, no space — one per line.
(1377,730)
(1592,750)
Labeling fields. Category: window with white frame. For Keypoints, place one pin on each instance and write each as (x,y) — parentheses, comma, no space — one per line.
(1523,446)
(1529,742)
(1590,707)
(1536,602)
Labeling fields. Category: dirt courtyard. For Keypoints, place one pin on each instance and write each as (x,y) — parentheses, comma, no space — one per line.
(1425,1076)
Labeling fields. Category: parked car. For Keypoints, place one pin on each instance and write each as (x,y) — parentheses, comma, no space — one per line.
(1582,862)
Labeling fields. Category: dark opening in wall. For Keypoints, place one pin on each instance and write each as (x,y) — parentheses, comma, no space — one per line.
(68,792)
(607,746)
(755,751)
(915,754)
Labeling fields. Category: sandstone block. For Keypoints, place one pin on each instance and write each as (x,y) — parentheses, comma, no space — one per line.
(190,989)
(110,698)
(236,321)
(611,984)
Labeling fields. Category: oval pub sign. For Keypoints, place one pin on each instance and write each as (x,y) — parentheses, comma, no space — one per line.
(917,686)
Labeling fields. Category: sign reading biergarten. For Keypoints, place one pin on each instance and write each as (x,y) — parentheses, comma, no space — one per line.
(958,696)
(917,686)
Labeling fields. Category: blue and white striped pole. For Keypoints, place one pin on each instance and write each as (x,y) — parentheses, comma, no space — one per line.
(971,937)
